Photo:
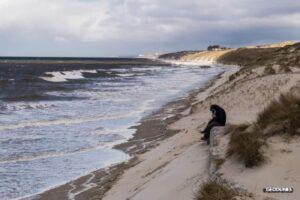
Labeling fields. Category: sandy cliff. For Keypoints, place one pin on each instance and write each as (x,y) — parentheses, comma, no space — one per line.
(205,55)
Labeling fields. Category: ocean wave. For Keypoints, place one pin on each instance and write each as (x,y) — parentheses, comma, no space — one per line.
(66,121)
(63,76)
(138,69)
(200,62)
(112,140)
(26,106)
(127,75)
(111,105)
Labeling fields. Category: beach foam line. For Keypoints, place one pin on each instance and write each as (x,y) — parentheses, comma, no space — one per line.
(146,105)
(66,121)
(25,106)
(127,75)
(199,62)
(154,68)
(35,195)
(103,145)
(86,186)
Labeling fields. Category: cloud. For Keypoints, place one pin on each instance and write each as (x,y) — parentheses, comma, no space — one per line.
(127,27)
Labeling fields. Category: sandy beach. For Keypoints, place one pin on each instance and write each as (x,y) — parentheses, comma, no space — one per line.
(177,166)
(174,162)
(149,135)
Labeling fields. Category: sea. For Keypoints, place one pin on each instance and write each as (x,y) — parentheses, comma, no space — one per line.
(61,117)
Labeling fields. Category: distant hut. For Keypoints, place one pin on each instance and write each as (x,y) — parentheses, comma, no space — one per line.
(216,48)
(213,47)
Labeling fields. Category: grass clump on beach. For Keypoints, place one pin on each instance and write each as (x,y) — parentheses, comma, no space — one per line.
(246,145)
(232,77)
(269,70)
(280,116)
(211,190)
(285,69)
(284,111)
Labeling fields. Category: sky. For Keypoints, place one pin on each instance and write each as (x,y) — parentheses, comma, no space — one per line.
(101,28)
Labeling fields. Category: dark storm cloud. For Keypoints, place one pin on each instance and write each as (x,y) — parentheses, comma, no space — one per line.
(128,27)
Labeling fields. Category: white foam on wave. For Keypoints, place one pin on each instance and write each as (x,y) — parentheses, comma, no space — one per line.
(63,76)
(106,165)
(72,121)
(199,62)
(113,133)
(86,186)
(152,85)
(119,70)
(25,106)
(53,123)
(103,145)
(146,68)
(127,75)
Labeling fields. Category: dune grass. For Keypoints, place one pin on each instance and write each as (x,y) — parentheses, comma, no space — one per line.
(255,57)
(246,145)
(285,69)
(286,110)
(211,190)
(246,142)
(269,70)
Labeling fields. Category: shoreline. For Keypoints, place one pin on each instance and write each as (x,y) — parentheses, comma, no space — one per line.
(177,167)
(153,128)
(166,164)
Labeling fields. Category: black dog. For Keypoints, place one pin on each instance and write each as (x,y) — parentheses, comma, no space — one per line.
(218,119)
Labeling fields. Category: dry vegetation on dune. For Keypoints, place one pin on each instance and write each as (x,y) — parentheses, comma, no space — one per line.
(269,70)
(212,190)
(246,144)
(279,117)
(249,143)
(284,112)
(176,55)
(288,56)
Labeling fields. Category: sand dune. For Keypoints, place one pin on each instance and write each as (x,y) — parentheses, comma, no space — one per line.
(175,168)
(205,55)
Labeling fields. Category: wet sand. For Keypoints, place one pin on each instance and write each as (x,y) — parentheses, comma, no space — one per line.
(152,129)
